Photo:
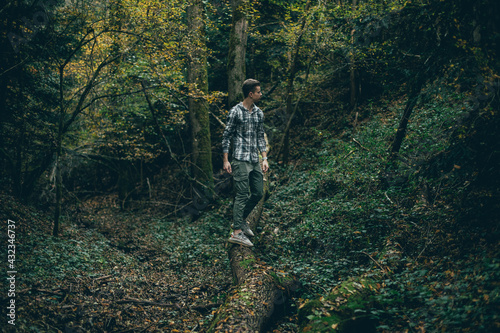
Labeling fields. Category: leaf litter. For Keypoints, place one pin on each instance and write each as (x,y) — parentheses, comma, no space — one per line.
(118,271)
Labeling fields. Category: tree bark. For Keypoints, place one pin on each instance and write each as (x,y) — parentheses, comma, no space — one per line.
(201,157)
(237,49)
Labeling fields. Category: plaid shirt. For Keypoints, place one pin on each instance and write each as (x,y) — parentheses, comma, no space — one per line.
(247,131)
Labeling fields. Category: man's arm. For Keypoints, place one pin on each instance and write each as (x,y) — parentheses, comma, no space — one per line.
(261,143)
(226,140)
(265,164)
(228,133)
(226,164)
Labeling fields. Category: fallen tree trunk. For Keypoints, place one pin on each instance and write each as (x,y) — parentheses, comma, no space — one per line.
(258,289)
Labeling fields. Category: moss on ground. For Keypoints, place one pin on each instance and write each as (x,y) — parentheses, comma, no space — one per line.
(345,309)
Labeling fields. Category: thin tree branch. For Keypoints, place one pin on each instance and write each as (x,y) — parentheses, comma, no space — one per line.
(218,120)
(88,87)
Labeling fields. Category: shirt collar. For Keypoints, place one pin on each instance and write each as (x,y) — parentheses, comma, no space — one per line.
(254,107)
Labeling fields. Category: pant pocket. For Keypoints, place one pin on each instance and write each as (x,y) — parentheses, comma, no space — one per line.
(239,171)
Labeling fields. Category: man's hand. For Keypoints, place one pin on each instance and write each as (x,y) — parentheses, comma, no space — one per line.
(227,167)
(265,166)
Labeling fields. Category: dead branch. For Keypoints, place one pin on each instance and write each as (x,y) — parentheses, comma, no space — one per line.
(206,307)
(146,302)
(359,144)
(218,120)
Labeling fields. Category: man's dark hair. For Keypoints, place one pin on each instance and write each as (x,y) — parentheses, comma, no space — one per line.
(249,86)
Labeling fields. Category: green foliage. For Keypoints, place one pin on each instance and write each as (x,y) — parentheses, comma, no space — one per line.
(340,219)
(188,244)
(53,258)
(349,307)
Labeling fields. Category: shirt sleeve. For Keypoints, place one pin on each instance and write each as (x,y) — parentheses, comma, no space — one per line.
(229,131)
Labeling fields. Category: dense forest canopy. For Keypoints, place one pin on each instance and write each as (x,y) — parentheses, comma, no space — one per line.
(382,122)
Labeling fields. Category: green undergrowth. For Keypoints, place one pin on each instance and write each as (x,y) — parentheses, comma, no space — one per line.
(349,307)
(345,212)
(42,257)
(189,243)
(142,256)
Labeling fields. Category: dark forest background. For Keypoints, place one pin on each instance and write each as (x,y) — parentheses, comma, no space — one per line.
(383,195)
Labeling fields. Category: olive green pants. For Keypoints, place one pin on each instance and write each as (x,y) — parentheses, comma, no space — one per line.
(249,187)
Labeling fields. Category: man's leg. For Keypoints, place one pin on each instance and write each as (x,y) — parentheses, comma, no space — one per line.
(241,186)
(256,183)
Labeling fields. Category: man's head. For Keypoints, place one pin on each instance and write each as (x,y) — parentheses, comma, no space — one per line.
(251,86)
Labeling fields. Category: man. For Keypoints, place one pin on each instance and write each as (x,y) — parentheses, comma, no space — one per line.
(245,127)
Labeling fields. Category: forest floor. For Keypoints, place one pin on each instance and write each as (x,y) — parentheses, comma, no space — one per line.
(116,271)
(140,270)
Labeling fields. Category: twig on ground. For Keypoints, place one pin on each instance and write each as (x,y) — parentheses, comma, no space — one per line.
(205,307)
(146,302)
(359,144)
(376,262)
(392,202)
(103,278)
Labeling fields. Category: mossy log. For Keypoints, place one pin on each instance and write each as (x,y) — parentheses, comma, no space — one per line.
(258,289)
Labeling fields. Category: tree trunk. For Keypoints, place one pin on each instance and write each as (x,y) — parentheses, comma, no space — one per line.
(198,107)
(58,180)
(403,123)
(125,182)
(57,174)
(353,87)
(259,289)
(285,145)
(352,66)
(237,49)
(18,165)
(285,142)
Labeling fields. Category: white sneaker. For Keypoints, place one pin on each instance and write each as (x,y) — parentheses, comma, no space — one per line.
(240,239)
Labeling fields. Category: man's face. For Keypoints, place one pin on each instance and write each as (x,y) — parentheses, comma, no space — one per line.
(256,94)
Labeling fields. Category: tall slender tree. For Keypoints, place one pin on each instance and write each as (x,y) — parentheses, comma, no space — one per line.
(353,86)
(237,50)
(292,71)
(197,79)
